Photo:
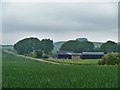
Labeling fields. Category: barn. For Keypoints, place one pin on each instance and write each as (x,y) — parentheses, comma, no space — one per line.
(92,55)
(68,55)
(78,56)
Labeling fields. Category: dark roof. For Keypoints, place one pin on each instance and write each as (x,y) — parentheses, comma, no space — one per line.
(66,53)
(76,53)
(69,53)
(83,53)
(92,53)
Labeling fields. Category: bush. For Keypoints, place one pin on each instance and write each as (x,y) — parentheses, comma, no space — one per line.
(110,59)
(101,62)
(45,56)
(39,54)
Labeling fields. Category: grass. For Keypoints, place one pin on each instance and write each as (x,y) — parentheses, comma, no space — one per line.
(76,62)
(20,72)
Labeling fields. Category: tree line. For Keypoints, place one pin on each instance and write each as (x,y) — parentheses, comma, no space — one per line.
(27,45)
(87,46)
(31,44)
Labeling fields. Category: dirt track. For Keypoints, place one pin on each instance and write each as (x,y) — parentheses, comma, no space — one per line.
(37,59)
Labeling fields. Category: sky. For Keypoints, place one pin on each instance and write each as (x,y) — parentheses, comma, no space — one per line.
(59,21)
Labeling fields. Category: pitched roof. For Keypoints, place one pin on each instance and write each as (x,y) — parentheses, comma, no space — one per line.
(69,53)
(92,53)
(76,53)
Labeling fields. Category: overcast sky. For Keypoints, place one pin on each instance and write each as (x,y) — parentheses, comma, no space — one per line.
(59,21)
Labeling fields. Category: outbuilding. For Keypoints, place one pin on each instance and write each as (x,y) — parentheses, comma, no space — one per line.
(68,55)
(78,56)
(92,55)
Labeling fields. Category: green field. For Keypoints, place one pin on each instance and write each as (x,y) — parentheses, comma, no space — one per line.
(76,62)
(20,72)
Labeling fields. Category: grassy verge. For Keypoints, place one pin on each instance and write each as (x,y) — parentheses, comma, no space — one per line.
(76,62)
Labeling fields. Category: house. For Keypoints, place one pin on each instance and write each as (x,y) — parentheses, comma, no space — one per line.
(92,55)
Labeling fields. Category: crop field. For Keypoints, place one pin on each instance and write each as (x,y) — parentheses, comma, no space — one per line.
(20,72)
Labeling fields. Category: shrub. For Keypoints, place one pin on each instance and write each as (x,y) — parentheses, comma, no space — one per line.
(110,59)
(45,56)
(39,53)
(101,62)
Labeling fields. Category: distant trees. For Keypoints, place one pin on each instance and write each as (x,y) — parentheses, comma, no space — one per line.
(71,45)
(118,47)
(87,46)
(97,49)
(109,46)
(28,45)
(39,53)
(77,46)
(47,45)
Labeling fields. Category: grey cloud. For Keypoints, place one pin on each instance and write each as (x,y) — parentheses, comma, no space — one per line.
(59,17)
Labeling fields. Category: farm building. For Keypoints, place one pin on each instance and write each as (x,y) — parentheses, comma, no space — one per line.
(74,56)
(77,56)
(92,55)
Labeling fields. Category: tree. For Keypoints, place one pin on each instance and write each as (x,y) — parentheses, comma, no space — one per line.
(47,45)
(71,45)
(27,45)
(76,46)
(109,46)
(119,47)
(39,53)
(86,46)
(97,49)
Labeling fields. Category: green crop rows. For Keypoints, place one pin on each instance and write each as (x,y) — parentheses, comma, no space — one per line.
(19,72)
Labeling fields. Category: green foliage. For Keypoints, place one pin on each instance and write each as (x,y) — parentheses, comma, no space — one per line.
(18,72)
(119,47)
(97,49)
(39,53)
(47,45)
(45,56)
(71,45)
(109,46)
(28,45)
(57,46)
(97,44)
(77,46)
(32,55)
(110,59)
(86,46)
